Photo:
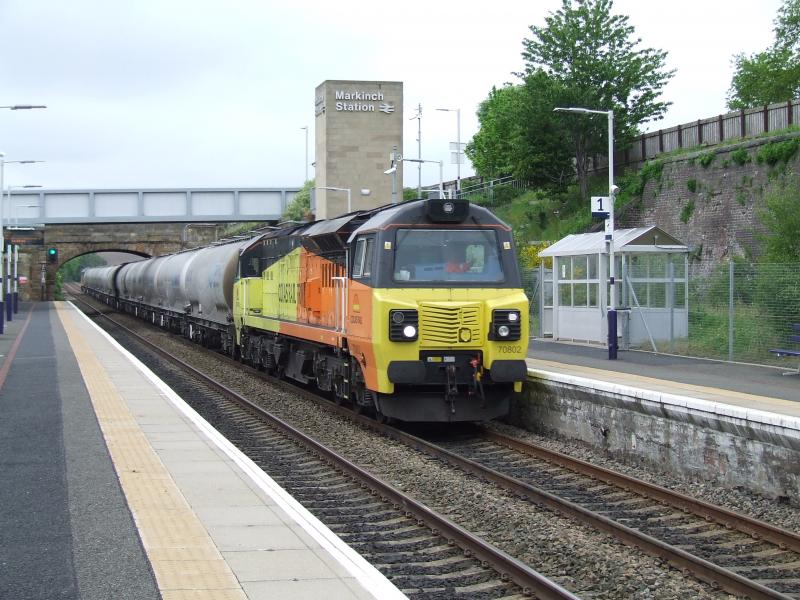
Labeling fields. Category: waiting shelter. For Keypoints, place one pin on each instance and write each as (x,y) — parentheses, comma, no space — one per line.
(651,283)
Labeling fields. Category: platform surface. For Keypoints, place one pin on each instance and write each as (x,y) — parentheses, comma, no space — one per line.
(119,490)
(736,385)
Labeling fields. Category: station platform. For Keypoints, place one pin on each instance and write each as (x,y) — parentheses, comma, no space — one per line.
(749,401)
(113,487)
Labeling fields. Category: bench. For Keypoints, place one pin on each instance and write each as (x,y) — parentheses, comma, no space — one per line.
(795,338)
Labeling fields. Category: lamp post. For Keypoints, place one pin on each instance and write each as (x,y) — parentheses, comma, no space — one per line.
(10,306)
(458,146)
(2,236)
(15,294)
(306,163)
(612,190)
(418,117)
(338,189)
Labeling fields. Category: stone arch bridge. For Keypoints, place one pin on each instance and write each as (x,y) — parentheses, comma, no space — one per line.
(75,239)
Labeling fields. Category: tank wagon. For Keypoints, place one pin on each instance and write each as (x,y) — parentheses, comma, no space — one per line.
(414,311)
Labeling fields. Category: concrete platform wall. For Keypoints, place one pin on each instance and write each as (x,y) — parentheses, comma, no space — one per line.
(688,441)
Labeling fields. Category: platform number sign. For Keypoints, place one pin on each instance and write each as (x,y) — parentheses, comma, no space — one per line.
(600,206)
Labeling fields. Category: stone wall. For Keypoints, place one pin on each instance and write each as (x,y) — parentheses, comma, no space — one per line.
(725,197)
(72,240)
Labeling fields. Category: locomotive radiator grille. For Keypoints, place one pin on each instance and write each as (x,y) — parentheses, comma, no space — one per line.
(445,325)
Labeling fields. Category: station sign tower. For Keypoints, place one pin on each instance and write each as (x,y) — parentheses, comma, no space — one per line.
(358,126)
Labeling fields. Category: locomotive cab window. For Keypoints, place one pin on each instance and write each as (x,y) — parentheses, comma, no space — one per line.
(448,256)
(362,262)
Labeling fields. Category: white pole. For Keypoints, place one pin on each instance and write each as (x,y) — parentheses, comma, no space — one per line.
(9,306)
(16,278)
(306,164)
(458,152)
(419,150)
(349,205)
(612,321)
(2,235)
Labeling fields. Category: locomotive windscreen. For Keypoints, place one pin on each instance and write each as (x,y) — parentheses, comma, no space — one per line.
(448,256)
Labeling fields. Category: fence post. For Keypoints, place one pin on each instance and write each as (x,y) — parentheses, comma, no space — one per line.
(541,299)
(742,123)
(671,300)
(730,310)
(766,119)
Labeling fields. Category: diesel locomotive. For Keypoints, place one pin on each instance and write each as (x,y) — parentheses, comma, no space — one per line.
(413,311)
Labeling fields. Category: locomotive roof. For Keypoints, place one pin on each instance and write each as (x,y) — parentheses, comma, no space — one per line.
(346,227)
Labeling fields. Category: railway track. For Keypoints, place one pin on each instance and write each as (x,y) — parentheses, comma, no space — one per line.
(732,552)
(424,554)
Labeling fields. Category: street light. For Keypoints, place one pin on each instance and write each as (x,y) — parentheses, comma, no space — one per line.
(10,307)
(612,190)
(458,146)
(306,164)
(418,117)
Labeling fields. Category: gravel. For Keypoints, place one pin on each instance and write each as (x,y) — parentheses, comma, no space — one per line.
(587,562)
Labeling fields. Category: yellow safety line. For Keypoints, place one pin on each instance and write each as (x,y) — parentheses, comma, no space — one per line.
(734,398)
(186,563)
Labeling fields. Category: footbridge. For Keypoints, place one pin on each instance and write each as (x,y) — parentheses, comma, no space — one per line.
(147,222)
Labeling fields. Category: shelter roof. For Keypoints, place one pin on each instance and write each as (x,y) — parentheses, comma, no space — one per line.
(638,239)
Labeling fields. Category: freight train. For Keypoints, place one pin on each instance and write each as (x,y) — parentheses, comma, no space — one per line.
(413,311)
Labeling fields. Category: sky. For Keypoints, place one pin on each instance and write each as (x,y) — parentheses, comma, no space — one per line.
(213,93)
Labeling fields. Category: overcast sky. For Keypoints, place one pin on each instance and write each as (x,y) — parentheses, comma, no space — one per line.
(207,93)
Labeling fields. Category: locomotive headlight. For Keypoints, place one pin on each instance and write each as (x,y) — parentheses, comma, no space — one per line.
(506,324)
(403,325)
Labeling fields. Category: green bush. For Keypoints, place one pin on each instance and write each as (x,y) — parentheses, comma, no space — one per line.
(687,210)
(778,152)
(706,159)
(740,156)
(691,185)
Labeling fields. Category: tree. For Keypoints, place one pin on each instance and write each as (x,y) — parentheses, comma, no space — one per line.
(300,205)
(520,135)
(593,57)
(72,269)
(774,74)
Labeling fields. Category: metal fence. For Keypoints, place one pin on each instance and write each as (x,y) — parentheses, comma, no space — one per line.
(738,313)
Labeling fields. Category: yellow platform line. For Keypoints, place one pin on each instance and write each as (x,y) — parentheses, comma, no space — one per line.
(186,563)
(734,398)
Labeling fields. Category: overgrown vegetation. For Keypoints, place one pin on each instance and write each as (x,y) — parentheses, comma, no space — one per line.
(706,158)
(778,153)
(691,185)
(740,156)
(687,211)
